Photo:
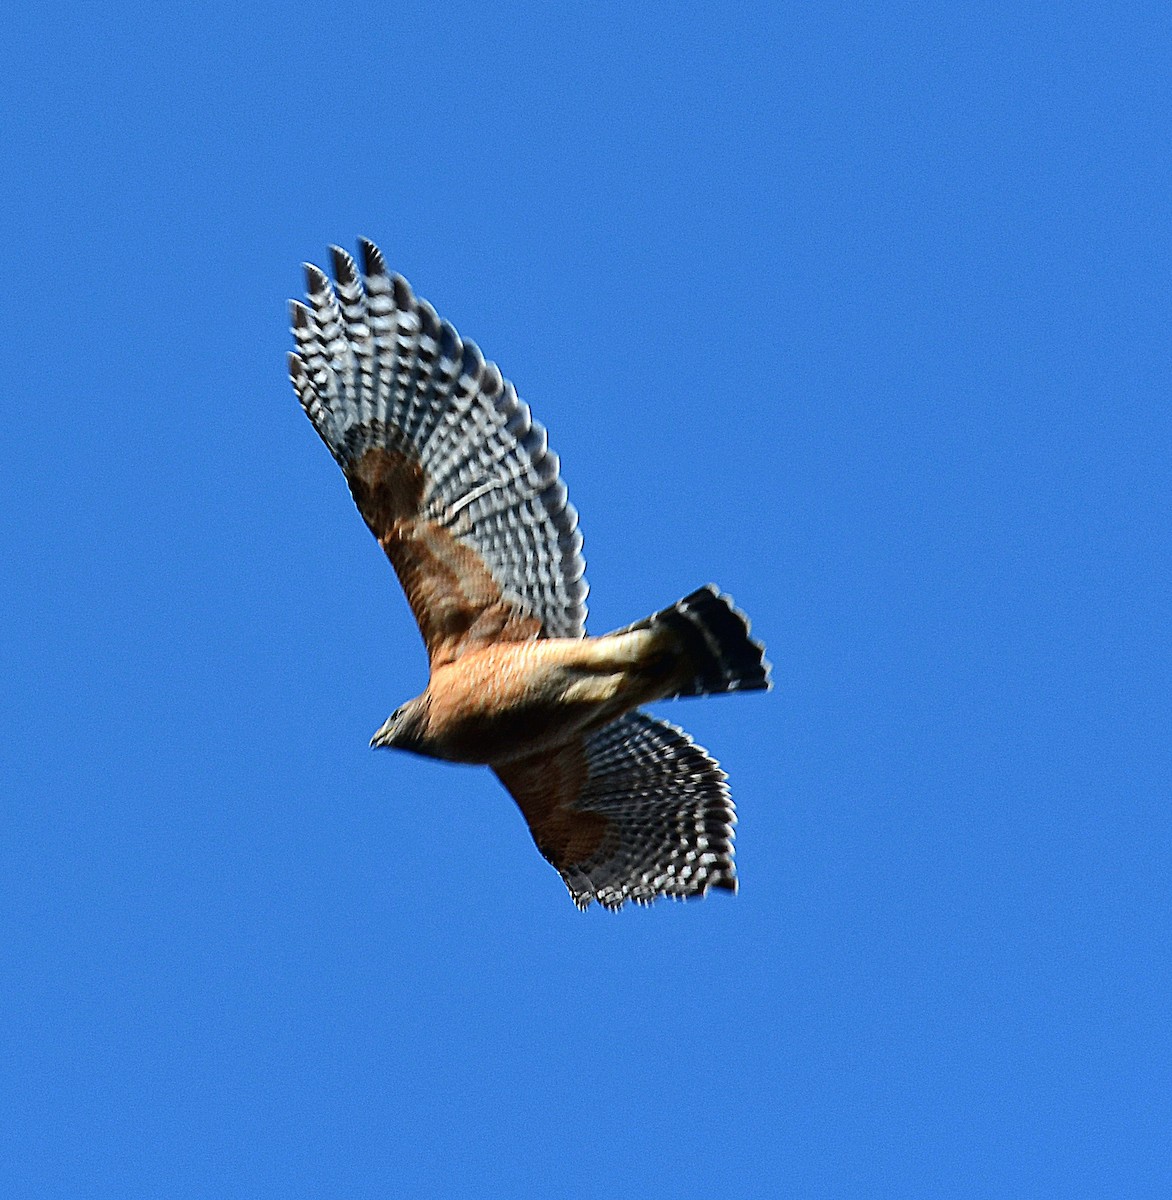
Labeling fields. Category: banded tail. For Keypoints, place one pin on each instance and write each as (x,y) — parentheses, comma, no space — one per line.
(712,638)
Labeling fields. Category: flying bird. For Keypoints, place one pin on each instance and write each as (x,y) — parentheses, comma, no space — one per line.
(457,482)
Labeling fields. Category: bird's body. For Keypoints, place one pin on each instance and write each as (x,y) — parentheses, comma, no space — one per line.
(512,699)
(457,483)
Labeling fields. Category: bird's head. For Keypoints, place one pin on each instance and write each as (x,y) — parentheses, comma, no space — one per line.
(403,729)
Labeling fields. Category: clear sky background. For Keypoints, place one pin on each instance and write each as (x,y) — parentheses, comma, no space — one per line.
(859,311)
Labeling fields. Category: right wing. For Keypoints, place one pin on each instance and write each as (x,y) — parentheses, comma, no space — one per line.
(632,812)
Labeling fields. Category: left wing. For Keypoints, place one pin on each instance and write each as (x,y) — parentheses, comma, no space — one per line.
(632,812)
(445,463)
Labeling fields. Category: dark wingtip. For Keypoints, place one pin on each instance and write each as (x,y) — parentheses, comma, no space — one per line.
(372,258)
(404,296)
(345,270)
(316,280)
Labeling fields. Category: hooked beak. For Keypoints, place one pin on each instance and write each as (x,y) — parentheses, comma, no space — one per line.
(382,739)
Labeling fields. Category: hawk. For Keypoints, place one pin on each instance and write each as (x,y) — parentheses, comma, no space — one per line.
(459,486)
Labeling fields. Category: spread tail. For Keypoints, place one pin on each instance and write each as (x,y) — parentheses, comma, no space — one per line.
(715,652)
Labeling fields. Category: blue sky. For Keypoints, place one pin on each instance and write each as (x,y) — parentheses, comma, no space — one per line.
(861,313)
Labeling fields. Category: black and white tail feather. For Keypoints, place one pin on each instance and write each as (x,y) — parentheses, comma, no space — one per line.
(714,643)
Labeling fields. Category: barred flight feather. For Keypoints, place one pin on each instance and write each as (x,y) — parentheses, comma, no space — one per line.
(669,812)
(375,367)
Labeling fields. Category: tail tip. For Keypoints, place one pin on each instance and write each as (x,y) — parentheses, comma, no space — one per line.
(737,660)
